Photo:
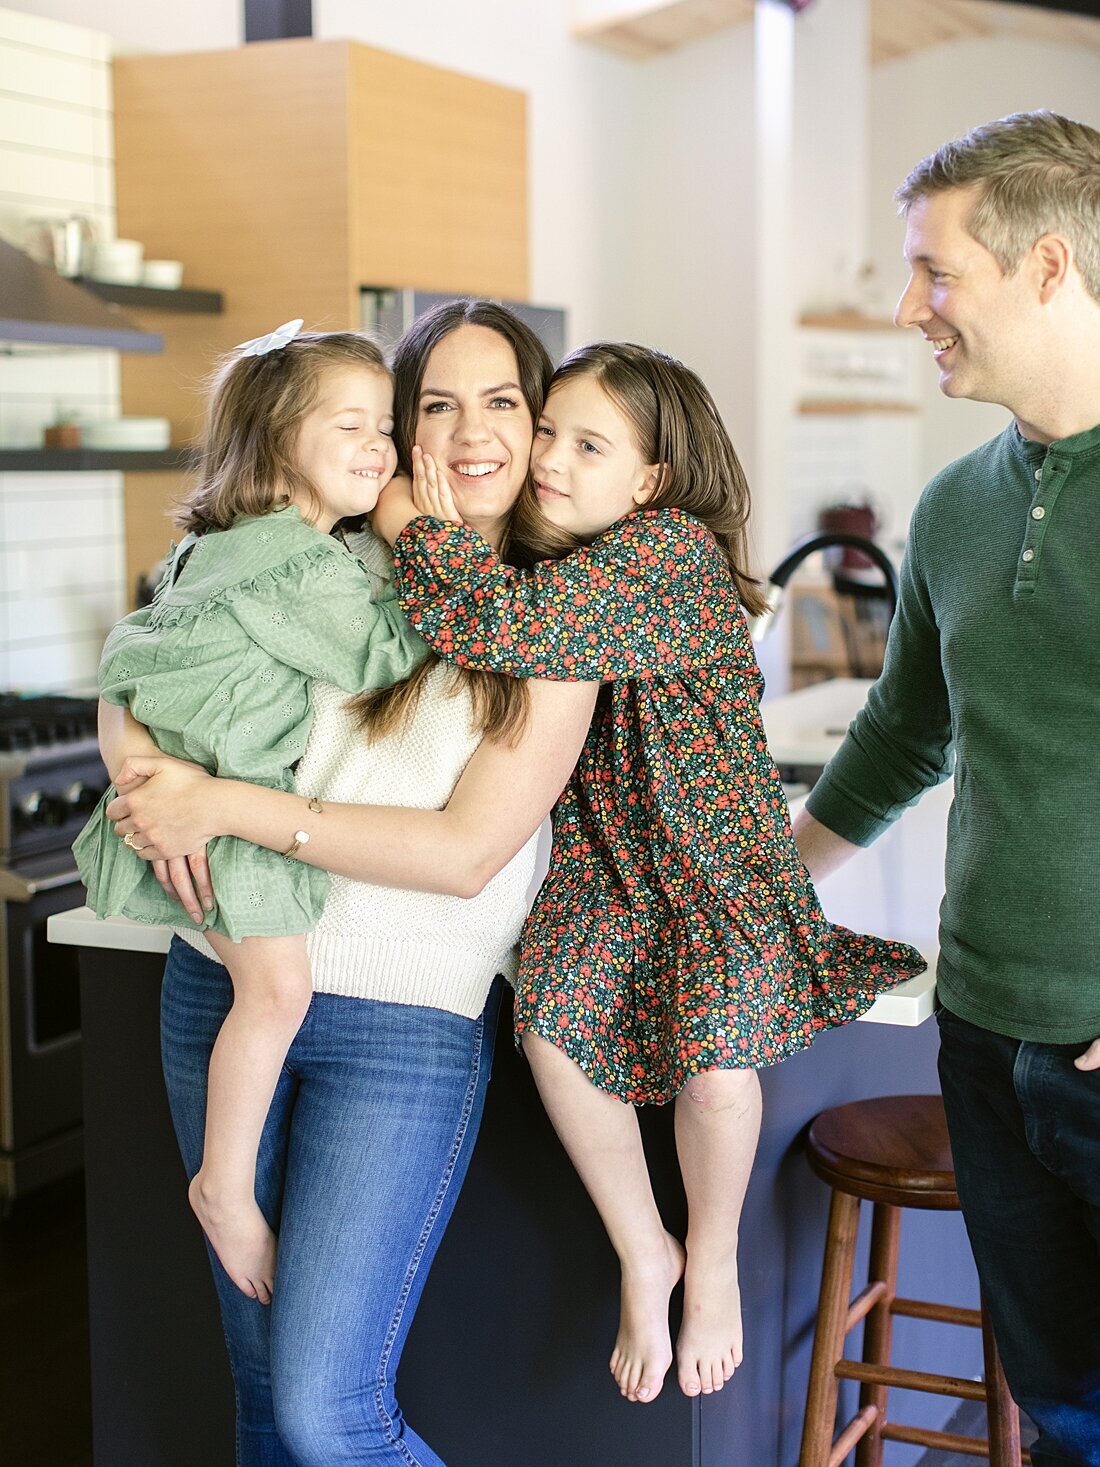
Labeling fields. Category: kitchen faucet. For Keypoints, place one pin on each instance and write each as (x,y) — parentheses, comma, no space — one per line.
(775,591)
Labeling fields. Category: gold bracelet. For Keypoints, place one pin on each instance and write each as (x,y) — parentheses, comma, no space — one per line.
(301,837)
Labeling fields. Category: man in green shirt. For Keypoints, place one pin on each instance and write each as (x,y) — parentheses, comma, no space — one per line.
(993,672)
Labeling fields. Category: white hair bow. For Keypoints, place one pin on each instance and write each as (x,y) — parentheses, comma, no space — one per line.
(273,341)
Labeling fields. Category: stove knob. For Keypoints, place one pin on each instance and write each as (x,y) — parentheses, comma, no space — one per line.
(82,798)
(38,809)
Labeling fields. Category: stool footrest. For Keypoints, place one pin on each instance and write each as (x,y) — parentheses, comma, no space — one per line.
(863,1303)
(856,1429)
(942,1441)
(944,1313)
(911,1380)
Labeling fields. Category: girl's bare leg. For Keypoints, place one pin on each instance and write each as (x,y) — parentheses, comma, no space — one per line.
(601,1135)
(271,992)
(717,1127)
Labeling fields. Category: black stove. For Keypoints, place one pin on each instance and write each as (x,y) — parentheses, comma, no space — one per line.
(51,778)
(51,775)
(44,722)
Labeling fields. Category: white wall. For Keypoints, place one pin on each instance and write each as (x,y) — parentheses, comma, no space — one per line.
(919,103)
(61,536)
(640,173)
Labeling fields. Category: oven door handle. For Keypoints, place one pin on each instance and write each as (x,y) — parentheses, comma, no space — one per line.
(16,888)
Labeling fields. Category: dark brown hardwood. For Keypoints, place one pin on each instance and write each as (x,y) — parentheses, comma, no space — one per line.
(45,1390)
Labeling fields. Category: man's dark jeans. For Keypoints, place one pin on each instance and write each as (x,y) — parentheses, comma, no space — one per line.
(1025,1135)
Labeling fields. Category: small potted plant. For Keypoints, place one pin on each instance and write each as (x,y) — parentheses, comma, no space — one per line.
(64,431)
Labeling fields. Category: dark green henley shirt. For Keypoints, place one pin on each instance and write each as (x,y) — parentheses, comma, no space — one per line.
(993,666)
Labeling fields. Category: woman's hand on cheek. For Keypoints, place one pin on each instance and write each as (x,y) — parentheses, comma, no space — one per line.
(395,509)
(431,491)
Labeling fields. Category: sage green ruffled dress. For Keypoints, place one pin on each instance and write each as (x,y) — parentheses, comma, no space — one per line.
(219,668)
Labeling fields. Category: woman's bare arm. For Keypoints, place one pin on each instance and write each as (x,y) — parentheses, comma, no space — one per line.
(120,734)
(502,797)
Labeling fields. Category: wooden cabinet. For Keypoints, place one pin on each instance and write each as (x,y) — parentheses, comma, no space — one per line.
(287,174)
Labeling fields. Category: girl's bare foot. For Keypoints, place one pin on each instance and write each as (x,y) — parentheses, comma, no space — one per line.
(643,1349)
(240,1236)
(708,1350)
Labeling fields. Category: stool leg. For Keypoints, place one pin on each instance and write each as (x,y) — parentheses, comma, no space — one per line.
(829,1332)
(879,1327)
(1002,1412)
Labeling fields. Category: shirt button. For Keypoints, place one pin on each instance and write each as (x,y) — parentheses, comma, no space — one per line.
(1039,473)
(1038,512)
(1029,555)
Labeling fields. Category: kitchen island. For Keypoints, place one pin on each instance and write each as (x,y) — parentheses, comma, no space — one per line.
(506,1363)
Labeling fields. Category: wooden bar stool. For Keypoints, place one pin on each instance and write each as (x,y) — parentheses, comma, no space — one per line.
(894,1153)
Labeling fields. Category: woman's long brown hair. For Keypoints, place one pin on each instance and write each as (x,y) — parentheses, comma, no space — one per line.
(500,704)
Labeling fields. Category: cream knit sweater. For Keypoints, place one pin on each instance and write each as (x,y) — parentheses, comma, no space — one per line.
(380,942)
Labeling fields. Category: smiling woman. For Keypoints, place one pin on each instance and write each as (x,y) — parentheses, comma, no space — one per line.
(379,1099)
(478,426)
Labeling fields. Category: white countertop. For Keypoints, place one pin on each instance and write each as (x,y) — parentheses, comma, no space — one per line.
(893,888)
(807,727)
(910,1003)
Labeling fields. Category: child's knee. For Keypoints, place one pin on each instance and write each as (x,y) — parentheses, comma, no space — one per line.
(721,1090)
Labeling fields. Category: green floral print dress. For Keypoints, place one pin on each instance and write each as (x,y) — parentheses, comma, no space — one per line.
(219,668)
(677,930)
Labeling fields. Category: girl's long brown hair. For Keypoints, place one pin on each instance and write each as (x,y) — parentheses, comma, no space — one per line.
(254,414)
(677,426)
(500,704)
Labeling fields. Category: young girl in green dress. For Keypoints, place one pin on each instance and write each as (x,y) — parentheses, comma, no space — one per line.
(258,600)
(677,942)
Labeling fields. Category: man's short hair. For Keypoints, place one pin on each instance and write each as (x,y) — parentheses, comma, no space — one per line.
(1036,173)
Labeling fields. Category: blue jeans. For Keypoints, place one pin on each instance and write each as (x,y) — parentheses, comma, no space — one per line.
(1025,1135)
(363,1154)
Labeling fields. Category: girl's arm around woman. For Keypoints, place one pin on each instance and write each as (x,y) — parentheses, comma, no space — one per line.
(651,596)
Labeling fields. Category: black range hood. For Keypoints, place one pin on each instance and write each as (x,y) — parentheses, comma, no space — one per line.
(38,305)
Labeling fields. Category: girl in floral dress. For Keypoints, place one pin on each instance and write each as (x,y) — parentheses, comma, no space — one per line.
(677,942)
(258,600)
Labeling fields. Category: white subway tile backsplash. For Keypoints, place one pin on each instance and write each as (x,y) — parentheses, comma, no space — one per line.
(53,35)
(62,562)
(31,570)
(22,219)
(56,515)
(25,122)
(69,665)
(59,374)
(79,614)
(51,76)
(45,176)
(22,421)
(105,186)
